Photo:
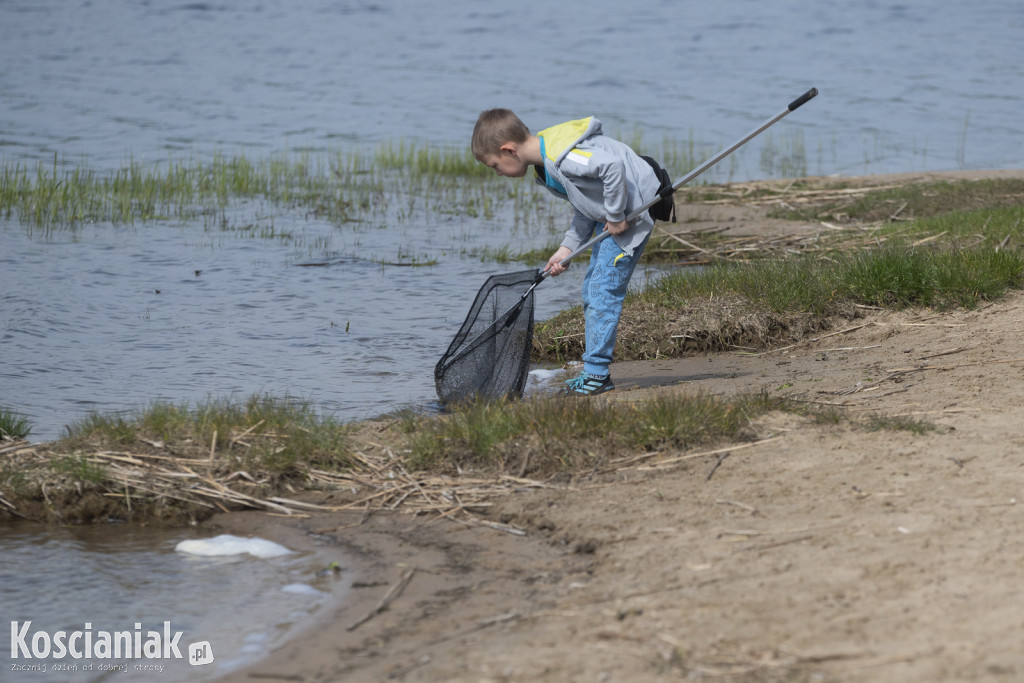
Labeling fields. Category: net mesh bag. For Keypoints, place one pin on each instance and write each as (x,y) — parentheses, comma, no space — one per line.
(490,355)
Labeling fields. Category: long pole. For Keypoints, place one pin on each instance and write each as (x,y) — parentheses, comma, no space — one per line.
(793,106)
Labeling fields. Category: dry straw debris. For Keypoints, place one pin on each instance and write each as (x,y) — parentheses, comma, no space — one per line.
(159,486)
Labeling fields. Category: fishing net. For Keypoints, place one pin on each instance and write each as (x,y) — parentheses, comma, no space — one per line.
(490,355)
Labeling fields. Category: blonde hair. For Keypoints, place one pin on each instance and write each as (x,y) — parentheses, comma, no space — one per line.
(494,128)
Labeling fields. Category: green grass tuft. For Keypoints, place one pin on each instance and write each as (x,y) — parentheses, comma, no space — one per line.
(566,434)
(896,277)
(877,423)
(13,425)
(79,468)
(281,435)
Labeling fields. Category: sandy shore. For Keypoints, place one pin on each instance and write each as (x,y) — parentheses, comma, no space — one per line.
(814,551)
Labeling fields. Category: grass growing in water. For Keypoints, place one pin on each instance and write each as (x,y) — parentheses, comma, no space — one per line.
(13,425)
(339,186)
(418,159)
(52,196)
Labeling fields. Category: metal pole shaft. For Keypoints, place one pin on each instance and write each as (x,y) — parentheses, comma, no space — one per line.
(700,169)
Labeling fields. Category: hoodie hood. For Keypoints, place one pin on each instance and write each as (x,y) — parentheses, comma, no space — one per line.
(560,140)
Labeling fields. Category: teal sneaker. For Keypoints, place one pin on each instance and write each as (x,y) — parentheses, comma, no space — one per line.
(588,385)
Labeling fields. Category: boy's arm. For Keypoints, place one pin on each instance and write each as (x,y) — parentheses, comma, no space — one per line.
(610,170)
(580,230)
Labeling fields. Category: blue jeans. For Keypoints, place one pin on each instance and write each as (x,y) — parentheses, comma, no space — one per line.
(604,289)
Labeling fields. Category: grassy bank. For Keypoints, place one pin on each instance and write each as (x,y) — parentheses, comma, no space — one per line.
(174,463)
(178,465)
(849,215)
(948,257)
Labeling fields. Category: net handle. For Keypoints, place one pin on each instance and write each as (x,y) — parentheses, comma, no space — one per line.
(798,102)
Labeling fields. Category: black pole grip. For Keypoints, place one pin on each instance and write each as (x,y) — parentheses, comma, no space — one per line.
(800,101)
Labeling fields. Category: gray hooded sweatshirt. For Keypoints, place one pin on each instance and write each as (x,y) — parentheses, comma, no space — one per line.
(603,179)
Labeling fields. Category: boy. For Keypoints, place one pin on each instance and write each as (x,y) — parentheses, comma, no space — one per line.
(605,181)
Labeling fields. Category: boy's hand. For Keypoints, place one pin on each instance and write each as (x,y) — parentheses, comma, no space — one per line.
(554,266)
(616,228)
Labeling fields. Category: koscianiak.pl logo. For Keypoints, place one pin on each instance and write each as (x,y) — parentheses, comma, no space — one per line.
(77,648)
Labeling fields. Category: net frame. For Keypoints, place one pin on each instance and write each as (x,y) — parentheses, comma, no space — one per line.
(490,355)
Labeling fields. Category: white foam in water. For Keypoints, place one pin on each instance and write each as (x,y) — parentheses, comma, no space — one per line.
(301,589)
(255,644)
(543,380)
(226,544)
(541,375)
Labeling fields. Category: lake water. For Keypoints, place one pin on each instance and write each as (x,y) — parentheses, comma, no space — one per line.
(93,579)
(904,85)
(113,318)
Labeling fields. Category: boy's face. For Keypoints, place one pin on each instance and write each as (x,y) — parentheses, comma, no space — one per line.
(506,162)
